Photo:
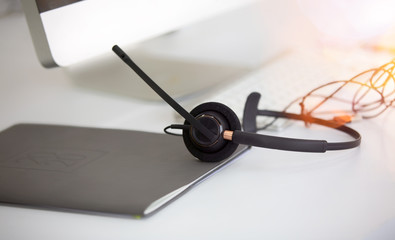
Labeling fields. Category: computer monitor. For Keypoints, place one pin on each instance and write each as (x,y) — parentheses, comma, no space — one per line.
(66,32)
(187,46)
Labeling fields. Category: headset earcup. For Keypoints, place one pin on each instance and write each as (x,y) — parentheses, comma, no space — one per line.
(231,120)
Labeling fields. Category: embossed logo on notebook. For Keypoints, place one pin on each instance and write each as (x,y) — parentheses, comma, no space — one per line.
(51,159)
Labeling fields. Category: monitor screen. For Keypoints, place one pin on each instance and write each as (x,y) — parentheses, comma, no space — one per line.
(66,32)
(47,5)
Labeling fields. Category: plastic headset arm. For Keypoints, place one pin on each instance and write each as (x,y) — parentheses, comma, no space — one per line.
(187,116)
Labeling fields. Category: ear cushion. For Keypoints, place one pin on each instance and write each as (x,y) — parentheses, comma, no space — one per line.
(232,121)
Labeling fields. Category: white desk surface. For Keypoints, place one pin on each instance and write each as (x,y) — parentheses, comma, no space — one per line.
(336,195)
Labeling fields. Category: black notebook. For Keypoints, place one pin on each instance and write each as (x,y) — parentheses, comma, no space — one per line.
(92,169)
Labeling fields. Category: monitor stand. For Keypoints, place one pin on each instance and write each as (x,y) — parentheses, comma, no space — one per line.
(196,58)
(179,77)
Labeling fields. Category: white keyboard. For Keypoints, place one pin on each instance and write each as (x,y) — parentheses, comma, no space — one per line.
(288,78)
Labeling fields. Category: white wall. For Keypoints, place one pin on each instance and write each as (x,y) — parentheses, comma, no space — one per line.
(9,6)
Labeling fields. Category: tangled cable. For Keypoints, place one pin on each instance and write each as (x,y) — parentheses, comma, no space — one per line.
(366,95)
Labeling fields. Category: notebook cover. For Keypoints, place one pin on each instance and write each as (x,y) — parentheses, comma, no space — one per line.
(92,169)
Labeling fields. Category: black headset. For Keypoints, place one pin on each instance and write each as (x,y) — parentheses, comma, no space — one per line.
(212,131)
